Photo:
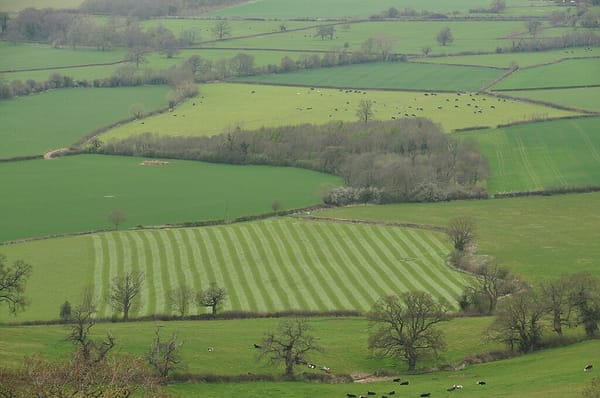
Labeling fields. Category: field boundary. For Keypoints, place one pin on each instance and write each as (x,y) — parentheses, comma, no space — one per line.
(428,227)
(63,67)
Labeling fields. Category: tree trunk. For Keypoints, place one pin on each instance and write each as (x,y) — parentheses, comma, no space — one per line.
(557,323)
(214,309)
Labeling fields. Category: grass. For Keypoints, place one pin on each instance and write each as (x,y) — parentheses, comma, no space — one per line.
(309,266)
(75,193)
(224,106)
(568,73)
(536,237)
(408,76)
(29,56)
(18,5)
(355,8)
(34,124)
(505,60)
(542,155)
(587,98)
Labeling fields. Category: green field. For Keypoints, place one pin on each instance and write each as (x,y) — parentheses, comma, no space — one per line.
(37,123)
(75,193)
(360,9)
(568,73)
(17,5)
(505,60)
(586,98)
(408,37)
(222,107)
(269,266)
(402,75)
(31,56)
(543,155)
(536,237)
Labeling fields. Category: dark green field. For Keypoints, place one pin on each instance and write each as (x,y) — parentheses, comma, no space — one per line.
(76,193)
(34,124)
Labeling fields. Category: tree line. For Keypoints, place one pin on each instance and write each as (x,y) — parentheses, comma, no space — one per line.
(405,159)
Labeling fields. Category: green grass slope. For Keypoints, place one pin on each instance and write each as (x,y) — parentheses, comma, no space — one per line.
(37,123)
(542,155)
(269,266)
(587,98)
(536,237)
(75,193)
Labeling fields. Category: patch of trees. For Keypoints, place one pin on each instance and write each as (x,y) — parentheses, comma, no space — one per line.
(575,39)
(145,9)
(405,159)
(407,12)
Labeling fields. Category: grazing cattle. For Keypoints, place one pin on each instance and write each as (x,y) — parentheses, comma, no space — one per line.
(425,394)
(451,388)
(397,380)
(391,392)
(210,349)
(481,382)
(588,368)
(257,346)
(351,395)
(371,393)
(458,386)
(404,383)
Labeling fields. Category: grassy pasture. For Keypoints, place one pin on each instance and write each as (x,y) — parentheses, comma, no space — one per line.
(18,5)
(542,155)
(505,60)
(360,9)
(535,237)
(587,98)
(37,123)
(29,56)
(269,266)
(402,75)
(222,107)
(568,73)
(409,36)
(76,193)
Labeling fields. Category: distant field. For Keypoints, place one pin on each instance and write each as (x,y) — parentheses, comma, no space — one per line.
(401,75)
(542,155)
(29,56)
(536,237)
(75,193)
(17,5)
(587,98)
(568,73)
(37,123)
(505,60)
(223,106)
(355,8)
(268,266)
(409,37)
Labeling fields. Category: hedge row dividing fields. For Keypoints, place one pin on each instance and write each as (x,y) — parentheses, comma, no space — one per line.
(278,264)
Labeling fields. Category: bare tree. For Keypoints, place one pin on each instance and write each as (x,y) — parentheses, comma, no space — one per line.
(180,299)
(164,356)
(495,282)
(518,322)
(403,327)
(384,45)
(364,111)
(444,36)
(497,6)
(324,31)
(461,231)
(12,283)
(556,294)
(124,290)
(137,110)
(212,297)
(585,297)
(89,350)
(533,26)
(221,29)
(117,217)
(290,344)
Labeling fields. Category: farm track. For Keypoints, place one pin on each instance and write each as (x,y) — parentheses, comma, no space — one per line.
(278,264)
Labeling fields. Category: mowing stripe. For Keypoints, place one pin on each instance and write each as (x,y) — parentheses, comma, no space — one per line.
(501,170)
(392,262)
(125,261)
(344,268)
(231,274)
(552,164)
(213,261)
(201,262)
(185,275)
(275,259)
(312,274)
(99,267)
(304,292)
(113,264)
(166,266)
(146,306)
(255,296)
(263,279)
(157,276)
(190,247)
(329,267)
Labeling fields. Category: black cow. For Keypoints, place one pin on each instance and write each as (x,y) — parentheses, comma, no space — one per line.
(425,394)
(481,382)
(588,368)
(404,383)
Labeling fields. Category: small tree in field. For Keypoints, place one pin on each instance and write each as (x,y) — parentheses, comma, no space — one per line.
(180,299)
(137,110)
(445,37)
(12,283)
(461,231)
(212,297)
(364,111)
(65,312)
(124,291)
(117,217)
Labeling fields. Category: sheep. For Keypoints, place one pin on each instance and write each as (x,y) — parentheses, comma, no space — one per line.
(210,349)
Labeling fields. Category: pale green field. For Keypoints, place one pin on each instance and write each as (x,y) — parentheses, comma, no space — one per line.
(268,266)
(587,98)
(505,60)
(17,5)
(221,107)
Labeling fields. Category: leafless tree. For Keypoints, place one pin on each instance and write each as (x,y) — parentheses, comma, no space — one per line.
(124,290)
(556,294)
(117,217)
(290,344)
(444,36)
(221,29)
(180,299)
(212,297)
(403,327)
(12,283)
(461,231)
(365,111)
(164,356)
(495,282)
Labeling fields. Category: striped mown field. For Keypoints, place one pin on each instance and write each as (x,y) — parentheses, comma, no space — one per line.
(278,264)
